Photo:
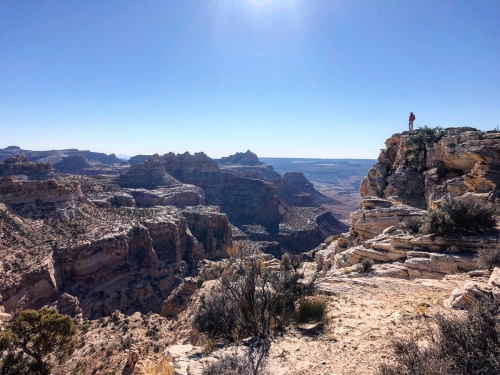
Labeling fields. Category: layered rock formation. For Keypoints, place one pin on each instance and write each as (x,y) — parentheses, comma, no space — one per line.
(20,167)
(293,187)
(461,162)
(243,200)
(150,185)
(54,156)
(241,158)
(458,161)
(72,160)
(57,248)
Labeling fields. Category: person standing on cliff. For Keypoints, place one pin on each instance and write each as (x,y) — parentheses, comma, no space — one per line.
(410,123)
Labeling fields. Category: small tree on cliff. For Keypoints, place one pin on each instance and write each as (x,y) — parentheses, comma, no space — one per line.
(26,342)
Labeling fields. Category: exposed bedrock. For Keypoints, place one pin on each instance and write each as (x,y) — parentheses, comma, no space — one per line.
(302,229)
(179,196)
(377,214)
(243,200)
(55,156)
(39,198)
(18,165)
(293,187)
(461,160)
(241,158)
(92,263)
(150,174)
(148,184)
(290,194)
(137,268)
(72,164)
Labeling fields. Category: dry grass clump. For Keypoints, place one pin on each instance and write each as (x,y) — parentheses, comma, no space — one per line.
(457,346)
(161,368)
(230,364)
(311,310)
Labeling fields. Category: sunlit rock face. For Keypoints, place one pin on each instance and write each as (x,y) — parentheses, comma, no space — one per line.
(462,161)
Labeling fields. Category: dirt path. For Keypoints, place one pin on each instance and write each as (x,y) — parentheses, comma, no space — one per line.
(365,314)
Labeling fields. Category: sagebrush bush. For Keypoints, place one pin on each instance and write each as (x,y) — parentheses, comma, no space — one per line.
(253,301)
(311,310)
(459,216)
(468,345)
(489,256)
(365,265)
(413,225)
(230,364)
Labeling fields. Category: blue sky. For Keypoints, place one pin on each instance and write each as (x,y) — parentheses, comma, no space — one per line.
(283,78)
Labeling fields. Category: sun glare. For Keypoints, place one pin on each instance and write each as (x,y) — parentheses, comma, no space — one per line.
(260,3)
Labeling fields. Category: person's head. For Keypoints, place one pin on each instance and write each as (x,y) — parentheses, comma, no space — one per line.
(411,113)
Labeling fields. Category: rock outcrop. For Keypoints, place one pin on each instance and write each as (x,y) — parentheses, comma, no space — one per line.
(55,156)
(150,185)
(150,174)
(241,158)
(58,249)
(408,179)
(20,167)
(293,187)
(458,161)
(243,200)
(39,198)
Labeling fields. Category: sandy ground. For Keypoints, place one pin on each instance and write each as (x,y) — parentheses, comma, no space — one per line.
(365,313)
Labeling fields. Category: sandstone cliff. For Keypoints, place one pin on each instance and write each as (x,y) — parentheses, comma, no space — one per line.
(408,179)
(20,167)
(57,248)
(459,161)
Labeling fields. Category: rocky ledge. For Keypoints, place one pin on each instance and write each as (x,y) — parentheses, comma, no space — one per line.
(57,248)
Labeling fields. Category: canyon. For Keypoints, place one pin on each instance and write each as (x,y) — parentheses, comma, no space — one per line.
(133,249)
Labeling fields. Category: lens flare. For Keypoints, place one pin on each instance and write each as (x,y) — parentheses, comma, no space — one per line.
(260,3)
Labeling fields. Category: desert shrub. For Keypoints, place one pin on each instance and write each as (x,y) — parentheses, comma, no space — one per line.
(489,256)
(413,225)
(424,136)
(286,262)
(251,302)
(200,281)
(209,347)
(230,364)
(311,310)
(32,337)
(467,345)
(253,361)
(290,262)
(365,265)
(217,315)
(459,216)
(418,143)
(126,344)
(160,368)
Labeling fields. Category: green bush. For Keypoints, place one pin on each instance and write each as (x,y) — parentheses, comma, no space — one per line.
(489,256)
(32,337)
(424,136)
(467,345)
(311,310)
(413,225)
(251,302)
(365,265)
(459,216)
